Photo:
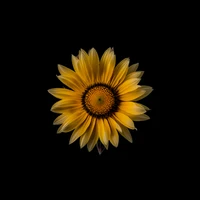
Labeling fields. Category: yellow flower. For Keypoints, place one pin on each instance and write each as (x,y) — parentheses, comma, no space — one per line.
(99,101)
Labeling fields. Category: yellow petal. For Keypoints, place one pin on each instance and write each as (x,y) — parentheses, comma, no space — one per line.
(68,73)
(145,107)
(130,96)
(120,72)
(137,74)
(61,93)
(65,71)
(73,121)
(60,119)
(85,67)
(107,65)
(142,117)
(114,136)
(132,108)
(80,130)
(128,86)
(106,146)
(107,131)
(147,90)
(124,119)
(62,105)
(78,69)
(86,136)
(126,133)
(93,139)
(102,63)
(72,83)
(133,68)
(94,62)
(114,124)
(101,131)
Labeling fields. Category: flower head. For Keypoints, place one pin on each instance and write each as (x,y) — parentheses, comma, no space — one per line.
(99,100)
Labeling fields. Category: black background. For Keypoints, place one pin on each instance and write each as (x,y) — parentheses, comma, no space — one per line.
(127,45)
(54,42)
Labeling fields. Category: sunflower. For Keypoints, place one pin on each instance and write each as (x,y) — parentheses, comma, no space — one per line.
(99,100)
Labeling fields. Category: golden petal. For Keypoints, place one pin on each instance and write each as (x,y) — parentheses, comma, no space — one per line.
(86,67)
(94,63)
(78,69)
(142,117)
(72,83)
(107,65)
(130,96)
(147,90)
(86,136)
(132,108)
(61,93)
(133,68)
(128,86)
(62,105)
(114,136)
(73,121)
(107,130)
(68,73)
(120,72)
(126,133)
(101,131)
(137,74)
(80,130)
(60,119)
(93,139)
(114,124)
(124,119)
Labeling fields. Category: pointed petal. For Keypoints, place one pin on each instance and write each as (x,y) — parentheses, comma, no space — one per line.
(85,67)
(61,93)
(78,69)
(93,139)
(145,107)
(80,130)
(124,119)
(107,65)
(114,136)
(128,86)
(60,119)
(147,89)
(131,108)
(75,63)
(126,133)
(120,72)
(102,66)
(62,105)
(133,68)
(137,74)
(68,73)
(72,83)
(85,137)
(130,96)
(101,131)
(114,124)
(94,62)
(107,131)
(72,121)
(142,117)
(65,71)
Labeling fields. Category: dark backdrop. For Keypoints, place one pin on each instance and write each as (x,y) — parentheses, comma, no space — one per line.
(58,39)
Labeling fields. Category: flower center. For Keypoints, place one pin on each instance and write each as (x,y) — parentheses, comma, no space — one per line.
(100,100)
